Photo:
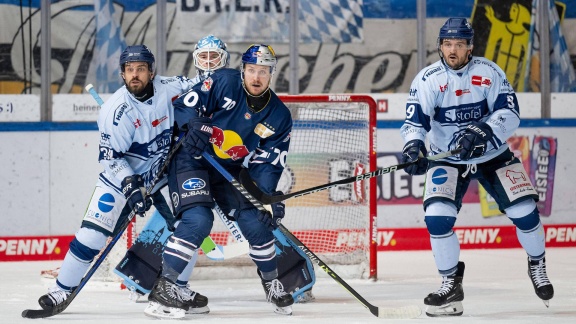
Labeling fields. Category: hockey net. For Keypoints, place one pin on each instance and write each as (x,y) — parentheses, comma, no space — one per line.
(333,137)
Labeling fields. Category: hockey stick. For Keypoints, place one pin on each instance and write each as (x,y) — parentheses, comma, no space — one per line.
(390,313)
(231,250)
(43,313)
(251,187)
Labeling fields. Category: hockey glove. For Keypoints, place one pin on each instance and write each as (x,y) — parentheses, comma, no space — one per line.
(135,193)
(474,140)
(415,151)
(273,219)
(198,136)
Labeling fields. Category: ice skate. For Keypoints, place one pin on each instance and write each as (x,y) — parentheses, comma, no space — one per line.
(447,301)
(198,303)
(276,295)
(53,298)
(165,301)
(542,286)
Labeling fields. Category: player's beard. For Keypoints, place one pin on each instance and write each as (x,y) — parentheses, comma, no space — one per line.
(135,87)
(455,61)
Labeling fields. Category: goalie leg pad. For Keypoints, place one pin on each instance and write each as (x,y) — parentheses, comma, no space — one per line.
(142,263)
(295,270)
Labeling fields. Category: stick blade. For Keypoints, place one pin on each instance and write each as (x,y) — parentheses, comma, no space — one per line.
(37,313)
(236,249)
(404,312)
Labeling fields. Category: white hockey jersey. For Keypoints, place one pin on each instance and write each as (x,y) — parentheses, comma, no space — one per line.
(134,135)
(442,102)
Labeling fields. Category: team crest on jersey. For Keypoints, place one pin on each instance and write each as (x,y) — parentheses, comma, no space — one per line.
(247,116)
(481,81)
(263,131)
(207,84)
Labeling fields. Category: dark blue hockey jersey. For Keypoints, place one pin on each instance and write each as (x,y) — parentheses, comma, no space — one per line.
(261,138)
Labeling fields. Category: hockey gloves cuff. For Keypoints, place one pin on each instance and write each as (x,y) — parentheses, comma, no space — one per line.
(415,151)
(273,219)
(198,136)
(135,193)
(474,140)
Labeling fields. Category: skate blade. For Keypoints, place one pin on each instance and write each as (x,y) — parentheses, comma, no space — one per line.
(450,309)
(283,310)
(158,311)
(198,310)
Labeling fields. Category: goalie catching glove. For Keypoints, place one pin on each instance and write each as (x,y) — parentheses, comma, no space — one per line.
(135,193)
(474,140)
(272,219)
(415,151)
(198,135)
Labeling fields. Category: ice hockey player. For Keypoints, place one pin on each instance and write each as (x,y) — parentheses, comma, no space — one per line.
(142,263)
(464,101)
(238,113)
(135,125)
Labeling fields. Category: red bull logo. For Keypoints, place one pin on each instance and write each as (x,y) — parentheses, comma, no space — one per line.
(228,144)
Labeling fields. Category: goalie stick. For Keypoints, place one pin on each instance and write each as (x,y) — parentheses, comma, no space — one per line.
(43,313)
(403,312)
(266,199)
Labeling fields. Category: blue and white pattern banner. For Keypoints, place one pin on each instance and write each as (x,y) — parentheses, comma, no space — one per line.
(259,21)
(562,76)
(109,45)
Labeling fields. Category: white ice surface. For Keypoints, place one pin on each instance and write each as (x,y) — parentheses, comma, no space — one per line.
(496,285)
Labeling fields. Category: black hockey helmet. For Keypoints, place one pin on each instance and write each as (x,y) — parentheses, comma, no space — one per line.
(458,28)
(137,53)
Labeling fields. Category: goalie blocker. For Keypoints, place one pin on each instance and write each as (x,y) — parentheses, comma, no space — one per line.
(142,263)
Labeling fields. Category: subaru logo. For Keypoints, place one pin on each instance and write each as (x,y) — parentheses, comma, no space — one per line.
(193,184)
(439,177)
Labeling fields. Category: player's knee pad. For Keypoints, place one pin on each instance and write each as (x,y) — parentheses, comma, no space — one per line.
(87,243)
(440,218)
(524,215)
(195,224)
(255,231)
(191,188)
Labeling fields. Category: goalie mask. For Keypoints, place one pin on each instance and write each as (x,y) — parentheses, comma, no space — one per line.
(137,53)
(210,54)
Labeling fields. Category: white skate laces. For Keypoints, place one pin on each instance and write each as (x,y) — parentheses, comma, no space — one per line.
(185,293)
(57,295)
(538,273)
(447,284)
(275,289)
(175,292)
